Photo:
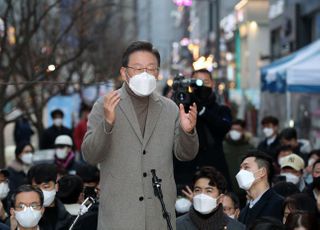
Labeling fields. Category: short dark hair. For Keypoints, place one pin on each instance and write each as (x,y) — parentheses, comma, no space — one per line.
(205,71)
(283,148)
(5,173)
(139,46)
(289,134)
(20,146)
(56,112)
(25,188)
(88,173)
(301,218)
(314,152)
(215,178)
(270,119)
(285,189)
(240,122)
(315,163)
(234,198)
(263,160)
(42,173)
(70,188)
(267,223)
(300,201)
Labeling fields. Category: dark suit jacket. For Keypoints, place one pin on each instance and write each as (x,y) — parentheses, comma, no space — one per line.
(270,204)
(270,149)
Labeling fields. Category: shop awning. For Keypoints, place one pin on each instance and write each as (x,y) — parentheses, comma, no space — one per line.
(305,76)
(297,72)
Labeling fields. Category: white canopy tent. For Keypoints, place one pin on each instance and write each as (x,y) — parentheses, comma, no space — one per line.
(293,83)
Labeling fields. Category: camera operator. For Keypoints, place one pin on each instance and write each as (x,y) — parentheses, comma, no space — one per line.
(213,123)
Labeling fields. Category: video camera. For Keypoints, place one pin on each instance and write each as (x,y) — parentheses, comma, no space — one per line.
(185,90)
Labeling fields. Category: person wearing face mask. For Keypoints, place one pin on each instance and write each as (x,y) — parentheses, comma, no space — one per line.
(19,167)
(90,176)
(255,175)
(313,190)
(64,156)
(235,145)
(207,210)
(132,131)
(71,193)
(292,169)
(301,147)
(26,208)
(50,134)
(213,123)
(44,177)
(271,142)
(231,205)
(307,172)
(4,192)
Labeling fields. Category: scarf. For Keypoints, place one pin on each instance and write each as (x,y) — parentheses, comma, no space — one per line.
(212,221)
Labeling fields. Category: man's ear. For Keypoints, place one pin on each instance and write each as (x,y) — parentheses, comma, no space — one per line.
(12,212)
(263,172)
(42,210)
(237,213)
(81,198)
(56,186)
(123,73)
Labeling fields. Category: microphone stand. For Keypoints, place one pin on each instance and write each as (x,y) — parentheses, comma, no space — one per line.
(156,182)
(87,203)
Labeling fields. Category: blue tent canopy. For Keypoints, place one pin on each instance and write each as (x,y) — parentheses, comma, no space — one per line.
(295,72)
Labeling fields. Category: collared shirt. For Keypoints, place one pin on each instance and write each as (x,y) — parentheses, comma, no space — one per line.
(37,228)
(253,202)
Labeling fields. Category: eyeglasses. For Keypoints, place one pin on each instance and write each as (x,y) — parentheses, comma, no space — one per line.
(33,205)
(150,70)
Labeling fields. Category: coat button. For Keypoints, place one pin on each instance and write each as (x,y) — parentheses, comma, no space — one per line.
(144,174)
(144,152)
(141,198)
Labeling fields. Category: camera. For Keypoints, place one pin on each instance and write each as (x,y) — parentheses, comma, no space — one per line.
(185,90)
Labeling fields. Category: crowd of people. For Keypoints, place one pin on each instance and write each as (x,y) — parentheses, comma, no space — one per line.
(213,175)
(52,192)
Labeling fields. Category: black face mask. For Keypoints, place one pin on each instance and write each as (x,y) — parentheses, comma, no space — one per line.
(89,192)
(316,183)
(203,94)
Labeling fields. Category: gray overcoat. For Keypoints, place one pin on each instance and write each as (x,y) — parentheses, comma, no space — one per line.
(127,199)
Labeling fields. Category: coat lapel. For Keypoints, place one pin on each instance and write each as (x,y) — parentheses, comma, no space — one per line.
(154,110)
(128,110)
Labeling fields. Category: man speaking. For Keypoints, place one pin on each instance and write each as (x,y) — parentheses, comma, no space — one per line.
(132,131)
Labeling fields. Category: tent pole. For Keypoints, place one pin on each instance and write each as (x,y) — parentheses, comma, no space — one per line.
(288,105)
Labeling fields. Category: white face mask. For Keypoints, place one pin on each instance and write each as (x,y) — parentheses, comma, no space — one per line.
(27,158)
(57,122)
(268,132)
(204,204)
(232,216)
(62,153)
(143,84)
(183,205)
(28,217)
(245,179)
(291,178)
(235,135)
(48,197)
(4,190)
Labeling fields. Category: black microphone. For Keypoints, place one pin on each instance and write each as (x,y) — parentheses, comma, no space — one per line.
(156,183)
